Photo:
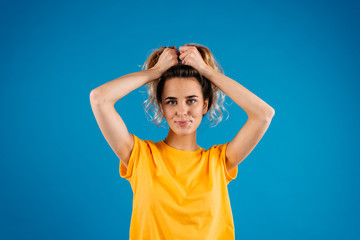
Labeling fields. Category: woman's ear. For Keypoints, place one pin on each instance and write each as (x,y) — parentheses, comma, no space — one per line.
(161,109)
(205,106)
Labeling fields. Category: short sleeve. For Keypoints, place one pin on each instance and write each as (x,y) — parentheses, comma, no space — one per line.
(138,152)
(233,173)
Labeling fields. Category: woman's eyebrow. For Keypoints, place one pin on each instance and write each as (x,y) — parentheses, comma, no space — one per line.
(191,96)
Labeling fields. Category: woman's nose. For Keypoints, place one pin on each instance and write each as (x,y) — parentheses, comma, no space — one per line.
(182,109)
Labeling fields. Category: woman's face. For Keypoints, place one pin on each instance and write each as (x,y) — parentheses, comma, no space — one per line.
(183,105)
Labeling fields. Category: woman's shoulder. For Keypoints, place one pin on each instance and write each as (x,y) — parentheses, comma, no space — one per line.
(142,141)
(217,147)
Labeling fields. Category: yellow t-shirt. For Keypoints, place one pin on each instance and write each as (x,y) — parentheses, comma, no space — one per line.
(179,194)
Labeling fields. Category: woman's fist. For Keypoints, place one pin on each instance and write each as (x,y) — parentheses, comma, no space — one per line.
(167,59)
(190,55)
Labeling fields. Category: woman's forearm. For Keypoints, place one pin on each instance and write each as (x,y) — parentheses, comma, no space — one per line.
(114,90)
(252,105)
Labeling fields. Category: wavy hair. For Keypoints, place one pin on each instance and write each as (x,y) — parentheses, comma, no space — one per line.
(210,91)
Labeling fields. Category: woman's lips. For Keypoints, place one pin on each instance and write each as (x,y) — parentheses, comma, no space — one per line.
(182,123)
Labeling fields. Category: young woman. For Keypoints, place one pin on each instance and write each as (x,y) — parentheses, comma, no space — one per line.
(179,188)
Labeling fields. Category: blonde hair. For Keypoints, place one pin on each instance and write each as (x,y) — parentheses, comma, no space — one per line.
(210,91)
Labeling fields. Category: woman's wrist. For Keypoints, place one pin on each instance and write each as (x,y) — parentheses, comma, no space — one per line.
(155,72)
(207,71)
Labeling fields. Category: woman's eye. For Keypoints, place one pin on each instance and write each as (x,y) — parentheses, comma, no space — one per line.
(170,102)
(192,100)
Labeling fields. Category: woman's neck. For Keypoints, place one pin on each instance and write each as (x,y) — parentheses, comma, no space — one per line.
(185,143)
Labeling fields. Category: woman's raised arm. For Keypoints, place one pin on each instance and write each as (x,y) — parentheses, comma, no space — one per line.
(104,97)
(102,100)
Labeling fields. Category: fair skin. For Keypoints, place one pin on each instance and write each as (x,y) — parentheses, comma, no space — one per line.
(112,126)
(178,106)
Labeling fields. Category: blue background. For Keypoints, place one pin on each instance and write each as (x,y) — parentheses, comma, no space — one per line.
(59,177)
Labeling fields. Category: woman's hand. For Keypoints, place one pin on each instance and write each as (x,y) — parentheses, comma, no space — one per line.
(167,59)
(189,55)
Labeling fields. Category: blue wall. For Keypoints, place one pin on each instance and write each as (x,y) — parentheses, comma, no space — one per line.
(60,178)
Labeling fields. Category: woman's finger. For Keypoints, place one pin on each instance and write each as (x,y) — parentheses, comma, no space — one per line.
(185,48)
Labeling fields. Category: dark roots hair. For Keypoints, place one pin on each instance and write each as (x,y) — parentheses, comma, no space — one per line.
(210,91)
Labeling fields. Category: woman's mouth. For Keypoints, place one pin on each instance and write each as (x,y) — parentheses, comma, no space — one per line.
(182,123)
